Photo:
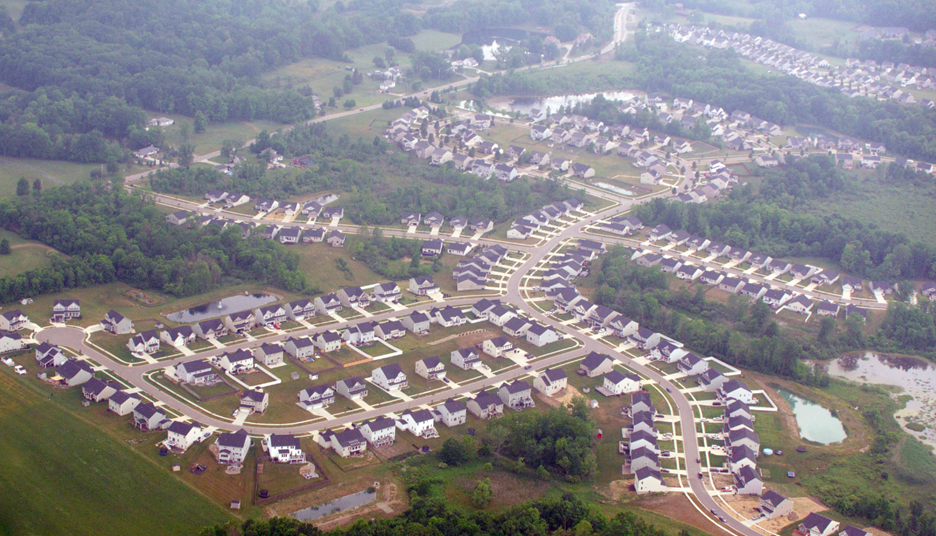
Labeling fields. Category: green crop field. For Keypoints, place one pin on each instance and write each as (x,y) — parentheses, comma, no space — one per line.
(64,475)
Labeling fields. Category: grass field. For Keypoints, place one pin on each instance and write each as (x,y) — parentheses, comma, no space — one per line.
(210,140)
(63,474)
(23,258)
(11,169)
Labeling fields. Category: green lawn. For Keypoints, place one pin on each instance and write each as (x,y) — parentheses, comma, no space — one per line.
(62,474)
(11,169)
(24,258)
(211,139)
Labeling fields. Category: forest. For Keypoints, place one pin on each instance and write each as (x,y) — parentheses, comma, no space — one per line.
(111,236)
(566,17)
(382,185)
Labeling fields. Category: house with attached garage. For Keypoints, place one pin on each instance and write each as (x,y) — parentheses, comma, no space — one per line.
(178,218)
(431,368)
(817,525)
(422,286)
(505,172)
(352,388)
(540,335)
(213,328)
(231,448)
(499,315)
(353,297)
(711,380)
(327,304)
(465,358)
(448,316)
(299,347)
(622,326)
(196,372)
(283,448)
(346,443)
(410,219)
(237,362)
(753,290)
(182,435)
(116,323)
(851,284)
(63,310)
(743,436)
(432,247)
(582,171)
(13,320)
(328,341)
(616,383)
(551,381)
(240,321)
(711,277)
(659,232)
(773,505)
(779,267)
(741,456)
(516,395)
(73,372)
(269,354)
(270,314)
(486,405)
(736,390)
(825,277)
(289,235)
(641,458)
(360,333)
(596,364)
(315,235)
(420,423)
(802,271)
(387,293)
(146,342)
(97,390)
(389,330)
(731,284)
(390,377)
(828,308)
(453,412)
(379,432)
(317,396)
(688,272)
(254,401)
(747,482)
(645,338)
(692,365)
(418,322)
(336,239)
(482,306)
(800,304)
(122,403)
(147,417)
(647,480)
(497,347)
(458,248)
(775,298)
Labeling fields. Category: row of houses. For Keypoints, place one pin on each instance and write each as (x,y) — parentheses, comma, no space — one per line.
(473,273)
(524,226)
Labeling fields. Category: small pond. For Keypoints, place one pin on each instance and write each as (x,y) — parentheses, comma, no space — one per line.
(338,505)
(222,307)
(613,188)
(816,423)
(554,103)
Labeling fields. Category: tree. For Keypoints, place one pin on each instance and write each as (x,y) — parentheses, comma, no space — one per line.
(453,452)
(825,329)
(184,130)
(201,122)
(379,62)
(37,187)
(22,186)
(4,247)
(186,155)
(483,493)
(350,103)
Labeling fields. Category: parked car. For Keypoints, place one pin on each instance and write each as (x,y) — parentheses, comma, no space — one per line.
(19,370)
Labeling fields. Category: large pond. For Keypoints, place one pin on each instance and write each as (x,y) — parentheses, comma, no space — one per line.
(816,423)
(554,103)
(914,376)
(338,505)
(222,307)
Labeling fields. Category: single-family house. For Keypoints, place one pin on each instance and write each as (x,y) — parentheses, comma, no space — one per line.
(550,381)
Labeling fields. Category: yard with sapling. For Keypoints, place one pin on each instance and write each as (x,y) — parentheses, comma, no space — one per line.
(94,438)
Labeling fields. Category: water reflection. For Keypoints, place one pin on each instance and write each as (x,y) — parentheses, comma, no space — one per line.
(816,423)
(338,505)
(222,307)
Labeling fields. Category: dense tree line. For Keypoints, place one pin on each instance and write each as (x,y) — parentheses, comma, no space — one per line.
(561,440)
(608,112)
(385,256)
(801,180)
(909,329)
(110,236)
(546,84)
(434,516)
(566,17)
(381,185)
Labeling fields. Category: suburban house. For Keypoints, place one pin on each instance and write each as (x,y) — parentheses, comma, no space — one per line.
(146,342)
(465,358)
(122,402)
(379,432)
(431,368)
(800,304)
(360,334)
(422,286)
(13,320)
(348,442)
(178,218)
(213,328)
(237,362)
(540,335)
(453,412)
(747,482)
(231,448)
(327,304)
(147,417)
(73,372)
(775,298)
(711,380)
(390,377)
(692,365)
(417,322)
(734,389)
(240,321)
(351,388)
(116,323)
(486,405)
(432,247)
(389,330)
(336,238)
(328,341)
(741,456)
(353,297)
(300,348)
(516,394)
(551,381)
(317,396)
(97,390)
(596,364)
(182,435)
(254,401)
(643,457)
(817,525)
(420,423)
(270,314)
(269,354)
(283,448)
(743,436)
(196,372)
(774,505)
(616,383)
(647,480)
(640,401)
(63,310)
(387,293)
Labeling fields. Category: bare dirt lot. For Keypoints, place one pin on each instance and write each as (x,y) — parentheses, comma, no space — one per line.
(677,506)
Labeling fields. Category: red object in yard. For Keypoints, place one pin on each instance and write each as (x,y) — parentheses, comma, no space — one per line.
(600,433)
